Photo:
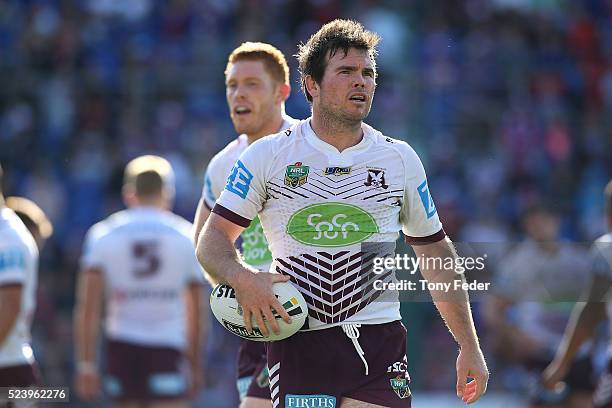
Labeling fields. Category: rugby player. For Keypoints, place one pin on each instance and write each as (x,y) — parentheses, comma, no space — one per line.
(257,85)
(587,316)
(321,190)
(18,280)
(140,262)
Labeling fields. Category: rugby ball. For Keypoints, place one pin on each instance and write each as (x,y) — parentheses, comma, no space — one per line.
(228,312)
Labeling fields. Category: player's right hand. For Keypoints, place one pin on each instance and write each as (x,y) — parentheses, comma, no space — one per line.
(255,296)
(88,385)
(554,374)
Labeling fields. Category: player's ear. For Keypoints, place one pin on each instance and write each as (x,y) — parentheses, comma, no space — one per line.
(284,90)
(129,196)
(311,86)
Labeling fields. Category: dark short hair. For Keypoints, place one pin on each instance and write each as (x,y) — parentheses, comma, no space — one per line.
(273,59)
(149,175)
(336,35)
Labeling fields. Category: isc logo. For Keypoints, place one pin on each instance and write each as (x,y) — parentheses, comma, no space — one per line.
(224,291)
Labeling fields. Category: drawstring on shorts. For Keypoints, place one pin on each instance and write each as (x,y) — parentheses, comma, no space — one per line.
(352,332)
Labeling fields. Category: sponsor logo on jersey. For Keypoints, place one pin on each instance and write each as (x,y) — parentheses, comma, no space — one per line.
(287,132)
(255,250)
(309,401)
(337,171)
(400,386)
(426,199)
(376,178)
(242,331)
(296,175)
(12,259)
(224,291)
(239,180)
(331,225)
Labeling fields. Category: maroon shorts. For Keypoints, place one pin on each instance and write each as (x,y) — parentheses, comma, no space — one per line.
(22,376)
(144,373)
(253,380)
(319,368)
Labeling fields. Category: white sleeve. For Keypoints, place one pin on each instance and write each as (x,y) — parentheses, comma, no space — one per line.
(93,253)
(213,183)
(419,217)
(12,264)
(245,190)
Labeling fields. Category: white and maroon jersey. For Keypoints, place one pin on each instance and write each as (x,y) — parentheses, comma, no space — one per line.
(327,214)
(18,266)
(146,256)
(253,245)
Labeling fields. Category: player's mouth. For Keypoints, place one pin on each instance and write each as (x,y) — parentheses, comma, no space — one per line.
(359,98)
(241,110)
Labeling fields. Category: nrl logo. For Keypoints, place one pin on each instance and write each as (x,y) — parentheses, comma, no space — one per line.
(296,175)
(400,386)
(376,178)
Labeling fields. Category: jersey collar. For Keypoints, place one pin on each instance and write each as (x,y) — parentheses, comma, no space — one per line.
(325,147)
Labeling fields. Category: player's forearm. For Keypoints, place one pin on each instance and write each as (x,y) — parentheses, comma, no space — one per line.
(194,330)
(202,214)
(8,318)
(86,328)
(452,304)
(10,305)
(581,327)
(218,256)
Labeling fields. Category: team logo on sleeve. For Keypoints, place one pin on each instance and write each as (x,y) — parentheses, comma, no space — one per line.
(428,203)
(239,180)
(376,178)
(296,175)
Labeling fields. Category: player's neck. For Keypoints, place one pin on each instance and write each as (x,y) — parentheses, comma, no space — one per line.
(340,134)
(273,127)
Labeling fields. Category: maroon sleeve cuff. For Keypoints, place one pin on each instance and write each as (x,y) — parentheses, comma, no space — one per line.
(430,239)
(231,216)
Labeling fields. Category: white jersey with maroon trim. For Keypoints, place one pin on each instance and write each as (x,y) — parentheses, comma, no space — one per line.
(147,258)
(18,266)
(253,246)
(327,214)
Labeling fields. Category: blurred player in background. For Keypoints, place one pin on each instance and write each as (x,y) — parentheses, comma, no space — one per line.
(587,316)
(531,307)
(320,189)
(140,261)
(257,85)
(18,279)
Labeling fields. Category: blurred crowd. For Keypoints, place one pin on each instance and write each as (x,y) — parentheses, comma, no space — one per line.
(508,103)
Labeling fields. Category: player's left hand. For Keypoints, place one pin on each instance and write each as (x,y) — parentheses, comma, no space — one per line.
(471,363)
